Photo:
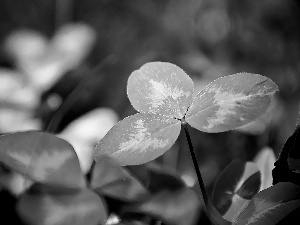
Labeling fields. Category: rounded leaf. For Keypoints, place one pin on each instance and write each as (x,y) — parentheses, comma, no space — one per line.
(84,207)
(230,102)
(15,92)
(24,44)
(271,205)
(139,139)
(41,157)
(113,180)
(160,88)
(238,183)
(73,42)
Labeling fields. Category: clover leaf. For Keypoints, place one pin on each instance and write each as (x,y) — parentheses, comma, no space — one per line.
(164,96)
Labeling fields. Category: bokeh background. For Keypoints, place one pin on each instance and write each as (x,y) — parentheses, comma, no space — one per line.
(64,66)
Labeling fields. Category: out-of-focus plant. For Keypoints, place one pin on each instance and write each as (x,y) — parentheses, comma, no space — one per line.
(59,192)
(39,64)
(84,132)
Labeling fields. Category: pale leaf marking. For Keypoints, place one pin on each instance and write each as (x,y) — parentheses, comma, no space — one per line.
(160,91)
(140,140)
(261,208)
(52,161)
(227,102)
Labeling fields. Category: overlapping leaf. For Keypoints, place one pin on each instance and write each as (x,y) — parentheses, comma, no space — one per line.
(139,139)
(84,207)
(42,157)
(230,102)
(110,179)
(271,205)
(235,187)
(160,88)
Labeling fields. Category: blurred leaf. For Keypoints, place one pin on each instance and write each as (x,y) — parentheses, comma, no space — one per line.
(139,139)
(83,207)
(15,183)
(140,172)
(157,177)
(176,208)
(265,160)
(42,157)
(271,205)
(213,25)
(84,132)
(161,179)
(237,184)
(112,180)
(92,126)
(26,44)
(44,61)
(35,58)
(14,90)
(282,172)
(230,102)
(160,88)
(73,42)
(15,120)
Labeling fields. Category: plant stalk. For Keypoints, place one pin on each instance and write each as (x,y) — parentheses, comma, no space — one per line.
(197,169)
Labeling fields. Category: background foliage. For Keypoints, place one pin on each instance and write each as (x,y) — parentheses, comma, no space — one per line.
(206,38)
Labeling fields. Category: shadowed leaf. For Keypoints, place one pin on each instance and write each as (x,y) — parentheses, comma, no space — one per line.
(286,163)
(271,205)
(161,88)
(230,102)
(294,155)
(83,207)
(163,179)
(42,157)
(139,139)
(177,208)
(110,179)
(238,183)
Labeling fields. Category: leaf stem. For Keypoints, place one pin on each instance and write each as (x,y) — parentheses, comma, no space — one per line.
(197,169)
